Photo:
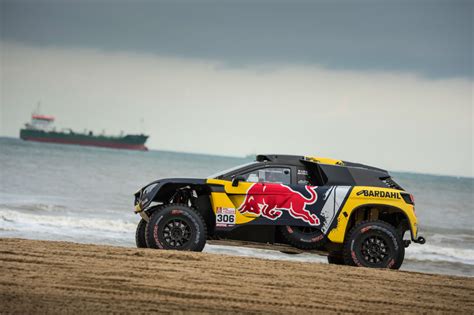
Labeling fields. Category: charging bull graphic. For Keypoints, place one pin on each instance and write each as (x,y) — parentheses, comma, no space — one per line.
(270,200)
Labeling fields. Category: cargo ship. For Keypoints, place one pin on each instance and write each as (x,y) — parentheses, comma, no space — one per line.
(41,129)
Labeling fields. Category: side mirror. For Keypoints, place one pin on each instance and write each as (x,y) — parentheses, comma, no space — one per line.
(237,179)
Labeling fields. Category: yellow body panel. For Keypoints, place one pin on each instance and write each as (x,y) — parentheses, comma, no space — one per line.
(359,196)
(357,199)
(231,198)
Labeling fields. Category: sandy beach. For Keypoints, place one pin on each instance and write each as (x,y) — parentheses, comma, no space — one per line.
(53,277)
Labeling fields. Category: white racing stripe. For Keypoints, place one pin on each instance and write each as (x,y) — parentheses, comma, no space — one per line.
(334,198)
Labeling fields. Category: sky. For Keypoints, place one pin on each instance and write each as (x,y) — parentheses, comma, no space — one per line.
(388,83)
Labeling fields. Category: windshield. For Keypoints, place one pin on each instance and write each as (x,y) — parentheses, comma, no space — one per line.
(229,170)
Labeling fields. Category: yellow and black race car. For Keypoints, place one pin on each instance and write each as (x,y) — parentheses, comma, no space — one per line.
(355,212)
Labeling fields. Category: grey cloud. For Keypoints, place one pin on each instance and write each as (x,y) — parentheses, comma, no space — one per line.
(395,121)
(431,38)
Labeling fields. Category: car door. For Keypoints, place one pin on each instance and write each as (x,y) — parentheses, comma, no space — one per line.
(273,195)
(330,198)
(266,183)
(286,195)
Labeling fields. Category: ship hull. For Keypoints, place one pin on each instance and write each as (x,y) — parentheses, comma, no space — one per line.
(128,142)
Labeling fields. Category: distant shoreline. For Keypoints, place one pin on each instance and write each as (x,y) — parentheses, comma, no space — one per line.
(64,277)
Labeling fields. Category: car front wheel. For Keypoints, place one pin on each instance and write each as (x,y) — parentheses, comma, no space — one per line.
(140,234)
(374,244)
(178,227)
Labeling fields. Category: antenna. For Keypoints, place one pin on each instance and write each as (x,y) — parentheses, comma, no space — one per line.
(142,125)
(37,111)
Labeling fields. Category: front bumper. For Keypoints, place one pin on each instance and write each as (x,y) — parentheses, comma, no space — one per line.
(143,214)
(138,208)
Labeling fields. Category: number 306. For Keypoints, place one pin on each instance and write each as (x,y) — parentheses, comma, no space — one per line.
(227,218)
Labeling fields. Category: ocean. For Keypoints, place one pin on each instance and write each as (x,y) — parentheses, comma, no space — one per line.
(85,194)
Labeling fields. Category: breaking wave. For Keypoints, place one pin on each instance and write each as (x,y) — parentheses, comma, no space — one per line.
(67,227)
(120,231)
(435,253)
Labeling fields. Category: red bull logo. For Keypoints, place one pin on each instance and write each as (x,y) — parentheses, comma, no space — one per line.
(270,200)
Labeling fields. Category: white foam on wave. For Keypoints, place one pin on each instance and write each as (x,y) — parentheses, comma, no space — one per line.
(35,207)
(450,239)
(119,231)
(23,220)
(67,228)
(428,252)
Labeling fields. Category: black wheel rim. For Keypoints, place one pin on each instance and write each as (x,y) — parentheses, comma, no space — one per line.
(375,250)
(176,233)
(306,229)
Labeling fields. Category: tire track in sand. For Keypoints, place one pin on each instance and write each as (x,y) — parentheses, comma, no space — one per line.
(58,277)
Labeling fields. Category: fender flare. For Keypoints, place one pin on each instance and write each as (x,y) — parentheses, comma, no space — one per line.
(374,205)
(151,192)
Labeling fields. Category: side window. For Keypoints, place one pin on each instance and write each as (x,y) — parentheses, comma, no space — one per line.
(302,177)
(269,175)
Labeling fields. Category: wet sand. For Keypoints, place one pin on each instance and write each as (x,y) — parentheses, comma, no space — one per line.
(62,277)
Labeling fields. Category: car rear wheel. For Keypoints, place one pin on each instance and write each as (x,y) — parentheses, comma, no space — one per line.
(303,237)
(140,234)
(178,227)
(374,244)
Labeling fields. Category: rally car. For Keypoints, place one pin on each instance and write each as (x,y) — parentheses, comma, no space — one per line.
(356,213)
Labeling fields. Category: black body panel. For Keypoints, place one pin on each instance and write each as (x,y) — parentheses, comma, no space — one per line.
(249,233)
(166,187)
(289,159)
(336,175)
(368,177)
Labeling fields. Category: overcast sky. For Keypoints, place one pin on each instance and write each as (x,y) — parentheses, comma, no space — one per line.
(388,83)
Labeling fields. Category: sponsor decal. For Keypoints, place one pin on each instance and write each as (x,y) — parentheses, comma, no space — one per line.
(391,263)
(317,238)
(363,230)
(155,236)
(302,172)
(355,260)
(379,194)
(270,200)
(225,217)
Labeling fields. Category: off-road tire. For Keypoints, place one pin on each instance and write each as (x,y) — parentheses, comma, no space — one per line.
(140,234)
(297,237)
(178,227)
(335,258)
(374,244)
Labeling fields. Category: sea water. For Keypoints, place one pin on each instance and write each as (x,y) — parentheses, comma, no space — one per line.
(85,194)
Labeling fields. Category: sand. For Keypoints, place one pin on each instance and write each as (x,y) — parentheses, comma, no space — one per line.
(59,277)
